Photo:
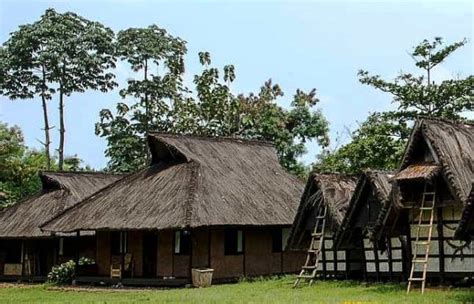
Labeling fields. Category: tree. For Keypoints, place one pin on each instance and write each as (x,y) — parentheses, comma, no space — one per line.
(81,52)
(63,50)
(19,166)
(146,50)
(379,141)
(420,95)
(215,111)
(25,67)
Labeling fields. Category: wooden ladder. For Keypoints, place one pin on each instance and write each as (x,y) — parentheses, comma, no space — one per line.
(427,205)
(310,267)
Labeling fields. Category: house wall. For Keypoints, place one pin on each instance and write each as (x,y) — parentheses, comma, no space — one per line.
(332,263)
(453,263)
(103,253)
(387,263)
(207,251)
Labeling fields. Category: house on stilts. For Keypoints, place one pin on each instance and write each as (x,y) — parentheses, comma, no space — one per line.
(203,202)
(432,205)
(320,213)
(383,259)
(28,253)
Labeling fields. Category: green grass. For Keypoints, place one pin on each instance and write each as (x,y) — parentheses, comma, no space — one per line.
(276,290)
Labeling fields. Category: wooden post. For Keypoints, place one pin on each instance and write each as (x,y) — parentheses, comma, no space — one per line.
(76,257)
(377,262)
(439,227)
(209,248)
(389,255)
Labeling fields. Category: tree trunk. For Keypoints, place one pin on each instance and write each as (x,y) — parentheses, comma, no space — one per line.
(47,140)
(61,123)
(147,110)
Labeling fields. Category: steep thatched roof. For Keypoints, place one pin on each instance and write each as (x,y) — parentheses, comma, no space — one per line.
(378,183)
(193,182)
(333,190)
(452,146)
(60,190)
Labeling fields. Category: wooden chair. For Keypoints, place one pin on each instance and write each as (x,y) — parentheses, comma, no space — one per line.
(116,271)
(116,267)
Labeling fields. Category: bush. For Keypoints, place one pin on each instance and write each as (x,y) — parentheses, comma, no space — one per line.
(62,274)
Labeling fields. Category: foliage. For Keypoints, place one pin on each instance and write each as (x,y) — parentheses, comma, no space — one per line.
(215,111)
(419,95)
(85,261)
(145,49)
(19,166)
(379,141)
(63,53)
(62,274)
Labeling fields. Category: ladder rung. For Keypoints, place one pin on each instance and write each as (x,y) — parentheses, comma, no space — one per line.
(310,267)
(426,208)
(419,261)
(313,250)
(425,225)
(316,234)
(416,279)
(429,193)
(306,276)
(421,242)
(320,217)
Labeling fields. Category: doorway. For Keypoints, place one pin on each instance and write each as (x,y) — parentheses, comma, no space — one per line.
(150,248)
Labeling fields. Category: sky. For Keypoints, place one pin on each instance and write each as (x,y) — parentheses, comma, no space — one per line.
(297,44)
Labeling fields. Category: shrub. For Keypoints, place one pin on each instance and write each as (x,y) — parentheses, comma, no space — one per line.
(62,274)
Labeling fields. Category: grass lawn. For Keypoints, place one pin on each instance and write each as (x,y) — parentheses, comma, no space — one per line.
(276,290)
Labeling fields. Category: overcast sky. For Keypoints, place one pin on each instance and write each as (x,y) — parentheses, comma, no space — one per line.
(305,45)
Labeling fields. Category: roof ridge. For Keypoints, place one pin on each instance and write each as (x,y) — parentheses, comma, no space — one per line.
(236,139)
(80,172)
(445,120)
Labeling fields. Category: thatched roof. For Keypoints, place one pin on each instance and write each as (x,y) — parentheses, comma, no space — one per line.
(452,146)
(193,182)
(333,190)
(419,171)
(378,183)
(60,190)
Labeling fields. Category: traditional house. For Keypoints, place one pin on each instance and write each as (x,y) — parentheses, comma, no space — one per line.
(25,250)
(220,203)
(332,191)
(433,201)
(383,260)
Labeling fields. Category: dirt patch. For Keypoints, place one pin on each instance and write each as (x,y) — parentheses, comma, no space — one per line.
(103,289)
(17,285)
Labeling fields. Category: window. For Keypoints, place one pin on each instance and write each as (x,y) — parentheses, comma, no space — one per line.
(279,239)
(14,251)
(182,242)
(119,242)
(233,242)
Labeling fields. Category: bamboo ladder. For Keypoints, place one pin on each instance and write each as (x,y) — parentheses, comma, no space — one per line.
(427,205)
(310,267)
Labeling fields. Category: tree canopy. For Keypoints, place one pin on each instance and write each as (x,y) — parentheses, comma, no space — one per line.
(379,141)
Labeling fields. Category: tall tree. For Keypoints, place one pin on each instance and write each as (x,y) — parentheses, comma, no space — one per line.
(60,52)
(83,54)
(26,71)
(379,141)
(146,50)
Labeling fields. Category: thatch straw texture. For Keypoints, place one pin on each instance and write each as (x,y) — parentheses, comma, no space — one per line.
(333,190)
(452,145)
(60,191)
(193,182)
(374,181)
